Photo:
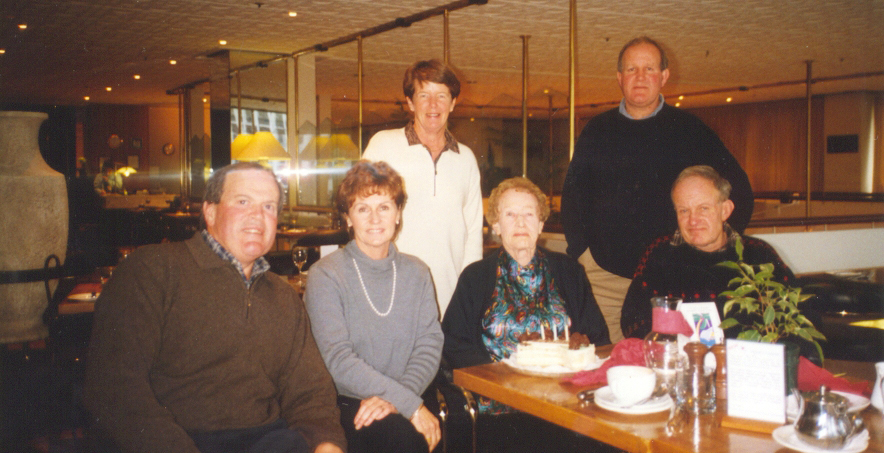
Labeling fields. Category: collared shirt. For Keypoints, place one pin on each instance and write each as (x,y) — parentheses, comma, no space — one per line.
(732,237)
(411,136)
(655,112)
(259,267)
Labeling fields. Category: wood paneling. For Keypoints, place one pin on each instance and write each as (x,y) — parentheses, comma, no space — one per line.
(769,140)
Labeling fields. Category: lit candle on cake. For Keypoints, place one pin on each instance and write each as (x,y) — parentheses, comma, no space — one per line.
(567,333)
(542,333)
(555,330)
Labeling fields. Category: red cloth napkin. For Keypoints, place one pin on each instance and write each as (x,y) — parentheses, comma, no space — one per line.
(811,377)
(626,352)
(670,322)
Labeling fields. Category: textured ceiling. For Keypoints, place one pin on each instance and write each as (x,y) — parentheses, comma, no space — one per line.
(76,48)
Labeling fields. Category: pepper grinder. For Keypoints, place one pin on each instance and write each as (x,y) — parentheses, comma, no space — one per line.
(720,372)
(696,352)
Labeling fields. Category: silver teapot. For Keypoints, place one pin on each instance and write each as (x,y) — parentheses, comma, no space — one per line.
(823,420)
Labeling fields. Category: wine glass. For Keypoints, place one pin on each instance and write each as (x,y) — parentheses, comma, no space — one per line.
(299,257)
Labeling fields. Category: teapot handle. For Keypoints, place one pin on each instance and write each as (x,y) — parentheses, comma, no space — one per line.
(800,400)
(858,424)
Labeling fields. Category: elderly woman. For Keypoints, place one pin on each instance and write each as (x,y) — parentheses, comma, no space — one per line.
(374,316)
(514,290)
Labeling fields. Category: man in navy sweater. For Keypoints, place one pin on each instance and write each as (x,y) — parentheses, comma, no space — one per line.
(615,200)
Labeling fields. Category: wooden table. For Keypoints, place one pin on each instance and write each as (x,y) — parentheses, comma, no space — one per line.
(556,401)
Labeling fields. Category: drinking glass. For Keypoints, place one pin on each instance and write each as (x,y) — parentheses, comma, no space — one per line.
(299,257)
(695,389)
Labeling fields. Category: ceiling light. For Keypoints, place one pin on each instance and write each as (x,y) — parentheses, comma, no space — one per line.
(108,88)
(681,98)
(136,77)
(22,26)
(173,62)
(293,14)
(85,98)
(2,51)
(678,104)
(222,42)
(729,99)
(205,100)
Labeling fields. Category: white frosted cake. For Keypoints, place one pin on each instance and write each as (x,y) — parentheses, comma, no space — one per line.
(576,354)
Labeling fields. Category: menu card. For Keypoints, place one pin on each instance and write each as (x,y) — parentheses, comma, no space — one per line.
(756,381)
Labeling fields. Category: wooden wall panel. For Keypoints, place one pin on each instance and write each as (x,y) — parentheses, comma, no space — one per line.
(769,140)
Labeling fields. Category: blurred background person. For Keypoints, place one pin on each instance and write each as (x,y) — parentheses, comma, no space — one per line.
(108,181)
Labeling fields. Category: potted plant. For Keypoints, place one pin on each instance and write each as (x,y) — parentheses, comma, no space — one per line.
(771,307)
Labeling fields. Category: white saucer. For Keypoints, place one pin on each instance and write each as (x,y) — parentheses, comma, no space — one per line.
(605,399)
(856,404)
(785,436)
(549,371)
(85,297)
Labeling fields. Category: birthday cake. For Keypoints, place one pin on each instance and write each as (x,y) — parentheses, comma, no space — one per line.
(576,353)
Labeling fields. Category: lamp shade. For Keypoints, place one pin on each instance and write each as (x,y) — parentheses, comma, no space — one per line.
(259,146)
(126,171)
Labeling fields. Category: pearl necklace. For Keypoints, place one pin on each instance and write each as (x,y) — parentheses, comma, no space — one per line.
(364,291)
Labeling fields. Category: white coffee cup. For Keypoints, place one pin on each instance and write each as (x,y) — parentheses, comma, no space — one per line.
(631,384)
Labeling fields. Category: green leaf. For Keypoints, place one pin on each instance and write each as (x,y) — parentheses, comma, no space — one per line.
(739,248)
(729,265)
(766,268)
(728,323)
(769,314)
(770,338)
(750,335)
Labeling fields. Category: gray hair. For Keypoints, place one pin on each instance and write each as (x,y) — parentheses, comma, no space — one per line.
(708,173)
(664,61)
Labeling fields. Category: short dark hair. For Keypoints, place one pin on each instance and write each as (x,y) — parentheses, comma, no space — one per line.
(367,178)
(107,165)
(708,173)
(215,184)
(664,61)
(430,71)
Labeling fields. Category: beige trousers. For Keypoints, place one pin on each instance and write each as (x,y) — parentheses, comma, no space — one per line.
(609,291)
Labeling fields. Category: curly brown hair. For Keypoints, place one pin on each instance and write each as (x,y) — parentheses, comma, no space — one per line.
(523,185)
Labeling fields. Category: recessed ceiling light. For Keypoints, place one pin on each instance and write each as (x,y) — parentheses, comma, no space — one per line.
(729,99)
(681,98)
(222,42)
(293,14)
(22,26)
(85,98)
(108,88)
(173,62)
(137,77)
(205,100)
(2,51)
(678,104)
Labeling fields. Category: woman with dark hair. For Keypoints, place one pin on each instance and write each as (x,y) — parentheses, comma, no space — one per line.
(374,318)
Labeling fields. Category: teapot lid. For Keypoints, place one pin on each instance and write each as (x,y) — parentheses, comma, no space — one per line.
(825,397)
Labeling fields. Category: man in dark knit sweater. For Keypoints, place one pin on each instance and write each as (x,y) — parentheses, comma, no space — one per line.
(684,264)
(615,200)
(196,347)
